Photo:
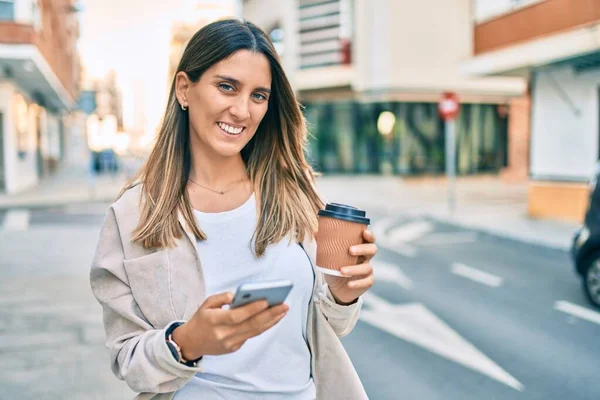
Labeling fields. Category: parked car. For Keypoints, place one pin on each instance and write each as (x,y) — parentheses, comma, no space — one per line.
(586,244)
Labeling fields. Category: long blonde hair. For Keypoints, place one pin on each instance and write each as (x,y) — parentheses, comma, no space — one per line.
(275,161)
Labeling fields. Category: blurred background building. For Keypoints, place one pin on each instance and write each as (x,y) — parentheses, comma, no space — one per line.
(370,74)
(101,102)
(39,76)
(197,14)
(555,46)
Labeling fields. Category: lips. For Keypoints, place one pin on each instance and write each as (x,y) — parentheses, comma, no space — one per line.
(230,129)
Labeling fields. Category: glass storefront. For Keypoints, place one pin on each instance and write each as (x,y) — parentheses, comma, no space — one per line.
(347,138)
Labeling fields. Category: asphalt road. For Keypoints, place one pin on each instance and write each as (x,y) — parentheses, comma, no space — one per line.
(453,315)
(471,316)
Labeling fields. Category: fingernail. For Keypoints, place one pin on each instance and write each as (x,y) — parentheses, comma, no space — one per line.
(353,250)
(343,271)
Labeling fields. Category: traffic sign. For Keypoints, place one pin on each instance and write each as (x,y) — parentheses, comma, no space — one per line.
(449,106)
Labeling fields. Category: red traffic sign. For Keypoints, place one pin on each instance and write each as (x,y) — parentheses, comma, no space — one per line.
(449,106)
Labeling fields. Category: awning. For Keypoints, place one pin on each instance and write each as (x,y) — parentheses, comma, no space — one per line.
(25,65)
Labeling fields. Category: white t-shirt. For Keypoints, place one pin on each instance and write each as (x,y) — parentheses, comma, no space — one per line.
(275,364)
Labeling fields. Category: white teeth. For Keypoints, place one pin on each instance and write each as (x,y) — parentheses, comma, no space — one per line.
(230,129)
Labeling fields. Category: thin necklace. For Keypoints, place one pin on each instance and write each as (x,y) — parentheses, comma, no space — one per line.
(218,191)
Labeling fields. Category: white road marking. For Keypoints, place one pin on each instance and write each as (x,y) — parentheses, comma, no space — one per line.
(399,248)
(391,273)
(578,311)
(16,220)
(411,231)
(476,275)
(448,238)
(416,324)
(380,229)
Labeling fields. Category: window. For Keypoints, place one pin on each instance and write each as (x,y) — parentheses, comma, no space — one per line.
(276,35)
(325,32)
(36,14)
(7,10)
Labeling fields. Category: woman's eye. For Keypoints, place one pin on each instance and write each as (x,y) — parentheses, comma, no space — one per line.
(226,87)
(259,96)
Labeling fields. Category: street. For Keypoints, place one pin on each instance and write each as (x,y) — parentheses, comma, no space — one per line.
(454,314)
(470,316)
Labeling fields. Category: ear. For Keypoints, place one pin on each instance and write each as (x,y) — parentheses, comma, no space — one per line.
(182,84)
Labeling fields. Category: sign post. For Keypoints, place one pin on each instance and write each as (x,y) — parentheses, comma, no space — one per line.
(449,108)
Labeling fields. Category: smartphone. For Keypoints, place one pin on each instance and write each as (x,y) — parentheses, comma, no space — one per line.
(275,292)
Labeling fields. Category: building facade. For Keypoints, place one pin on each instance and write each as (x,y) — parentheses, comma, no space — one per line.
(198,13)
(101,101)
(39,75)
(358,66)
(555,45)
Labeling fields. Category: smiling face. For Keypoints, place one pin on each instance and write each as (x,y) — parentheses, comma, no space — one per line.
(227,103)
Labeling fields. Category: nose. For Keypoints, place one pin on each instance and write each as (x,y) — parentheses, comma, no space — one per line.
(240,109)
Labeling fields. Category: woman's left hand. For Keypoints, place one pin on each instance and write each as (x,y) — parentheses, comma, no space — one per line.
(358,278)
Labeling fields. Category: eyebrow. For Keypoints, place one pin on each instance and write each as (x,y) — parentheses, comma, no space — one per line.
(236,82)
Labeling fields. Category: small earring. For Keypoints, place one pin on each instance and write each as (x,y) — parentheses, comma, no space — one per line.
(183,107)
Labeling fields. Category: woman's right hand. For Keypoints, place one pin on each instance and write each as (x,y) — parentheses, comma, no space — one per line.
(213,330)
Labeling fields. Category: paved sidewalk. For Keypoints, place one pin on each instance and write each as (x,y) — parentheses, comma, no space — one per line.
(68,186)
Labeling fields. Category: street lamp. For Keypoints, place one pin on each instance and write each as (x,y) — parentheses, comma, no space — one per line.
(386,122)
(385,126)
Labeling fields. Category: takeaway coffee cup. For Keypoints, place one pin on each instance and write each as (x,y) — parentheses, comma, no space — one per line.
(340,227)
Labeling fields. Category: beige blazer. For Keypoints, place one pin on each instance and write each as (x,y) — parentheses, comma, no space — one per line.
(143,291)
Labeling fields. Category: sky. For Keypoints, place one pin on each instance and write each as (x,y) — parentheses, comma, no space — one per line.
(132,37)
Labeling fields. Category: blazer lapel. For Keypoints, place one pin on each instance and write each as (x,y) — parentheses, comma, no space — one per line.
(191,242)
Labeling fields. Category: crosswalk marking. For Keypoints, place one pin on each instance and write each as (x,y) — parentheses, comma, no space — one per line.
(402,249)
(410,231)
(578,311)
(436,239)
(476,275)
(389,272)
(405,238)
(380,229)
(16,220)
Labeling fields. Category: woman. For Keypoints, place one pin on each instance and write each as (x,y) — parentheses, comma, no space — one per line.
(226,197)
